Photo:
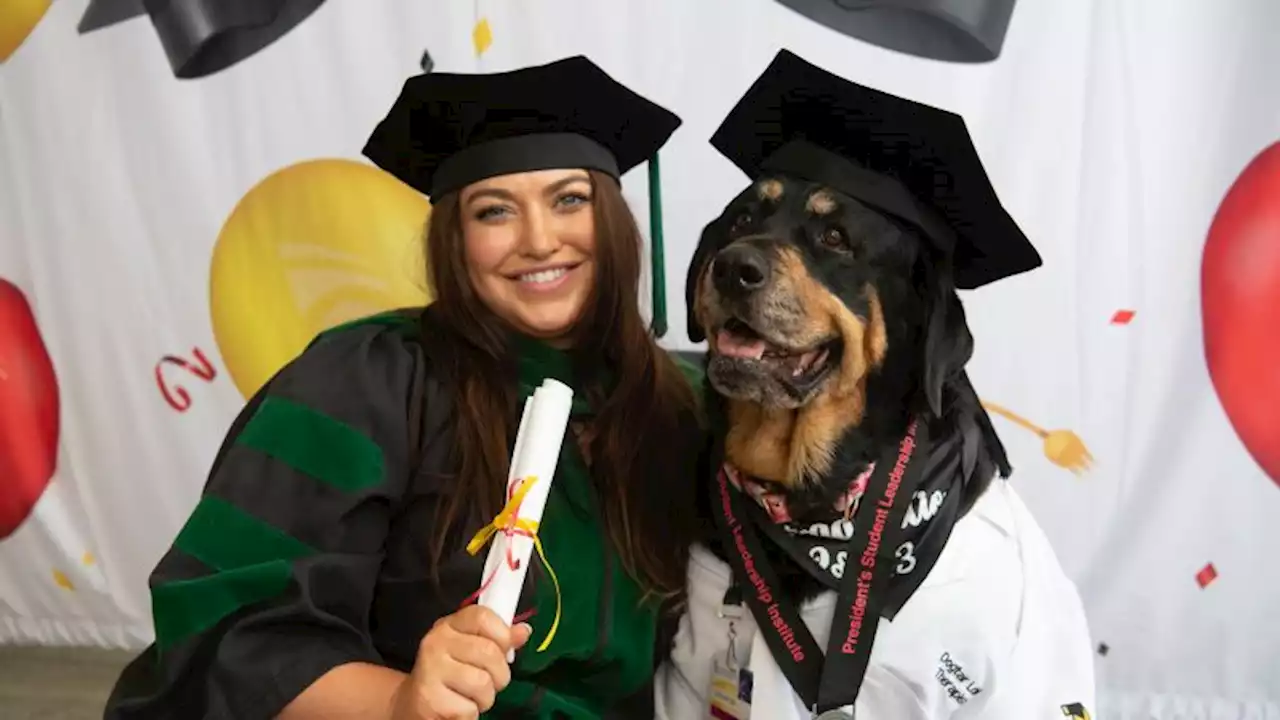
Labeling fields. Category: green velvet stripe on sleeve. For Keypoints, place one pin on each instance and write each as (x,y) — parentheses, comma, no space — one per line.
(314,444)
(184,608)
(251,563)
(250,558)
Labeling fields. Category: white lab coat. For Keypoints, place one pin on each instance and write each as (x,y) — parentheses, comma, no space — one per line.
(996,631)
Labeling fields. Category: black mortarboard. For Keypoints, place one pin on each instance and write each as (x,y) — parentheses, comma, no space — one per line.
(909,160)
(447,130)
(965,31)
(202,37)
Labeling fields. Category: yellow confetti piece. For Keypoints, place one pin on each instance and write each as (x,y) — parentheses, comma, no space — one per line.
(60,578)
(482,36)
(88,559)
(17,19)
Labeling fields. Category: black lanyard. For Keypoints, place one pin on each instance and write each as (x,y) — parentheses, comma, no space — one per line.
(833,682)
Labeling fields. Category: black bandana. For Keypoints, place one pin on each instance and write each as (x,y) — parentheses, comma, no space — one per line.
(911,505)
(820,542)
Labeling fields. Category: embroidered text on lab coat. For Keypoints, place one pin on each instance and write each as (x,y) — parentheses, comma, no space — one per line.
(953,679)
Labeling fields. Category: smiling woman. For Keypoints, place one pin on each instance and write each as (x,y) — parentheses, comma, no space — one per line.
(324,572)
(529,242)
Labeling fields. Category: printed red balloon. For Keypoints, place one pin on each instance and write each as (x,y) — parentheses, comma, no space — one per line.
(1240,305)
(28,411)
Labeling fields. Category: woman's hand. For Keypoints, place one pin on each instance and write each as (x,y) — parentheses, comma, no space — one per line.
(461,666)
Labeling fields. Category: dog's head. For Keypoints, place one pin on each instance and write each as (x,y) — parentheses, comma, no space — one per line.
(805,294)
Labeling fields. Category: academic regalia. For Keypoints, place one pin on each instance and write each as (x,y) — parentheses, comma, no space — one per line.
(912,161)
(994,628)
(447,130)
(309,546)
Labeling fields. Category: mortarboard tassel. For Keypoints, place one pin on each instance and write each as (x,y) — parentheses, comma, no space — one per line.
(657,260)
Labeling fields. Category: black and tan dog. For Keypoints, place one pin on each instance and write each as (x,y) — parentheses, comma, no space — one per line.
(854,463)
(830,325)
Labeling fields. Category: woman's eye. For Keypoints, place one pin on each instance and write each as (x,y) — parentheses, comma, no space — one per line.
(834,239)
(493,212)
(570,200)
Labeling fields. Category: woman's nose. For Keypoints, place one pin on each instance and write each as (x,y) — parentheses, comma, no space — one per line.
(538,238)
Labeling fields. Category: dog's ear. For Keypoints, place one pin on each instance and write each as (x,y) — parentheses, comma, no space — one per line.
(714,236)
(948,344)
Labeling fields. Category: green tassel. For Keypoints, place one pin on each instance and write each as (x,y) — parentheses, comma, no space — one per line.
(657,261)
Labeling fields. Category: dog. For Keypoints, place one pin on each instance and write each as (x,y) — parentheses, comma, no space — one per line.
(852,500)
(832,329)
(830,325)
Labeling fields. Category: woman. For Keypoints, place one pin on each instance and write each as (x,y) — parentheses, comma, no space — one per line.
(323,571)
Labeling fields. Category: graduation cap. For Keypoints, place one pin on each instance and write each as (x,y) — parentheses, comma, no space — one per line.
(909,160)
(202,37)
(962,31)
(105,13)
(448,130)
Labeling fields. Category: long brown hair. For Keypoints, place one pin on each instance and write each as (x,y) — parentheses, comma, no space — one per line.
(643,438)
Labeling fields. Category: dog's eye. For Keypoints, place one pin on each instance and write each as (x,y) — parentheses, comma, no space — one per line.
(742,221)
(834,239)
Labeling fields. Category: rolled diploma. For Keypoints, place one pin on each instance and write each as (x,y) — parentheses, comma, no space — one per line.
(536,453)
(494,557)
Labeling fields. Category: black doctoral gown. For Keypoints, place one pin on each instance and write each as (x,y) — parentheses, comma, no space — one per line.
(308,550)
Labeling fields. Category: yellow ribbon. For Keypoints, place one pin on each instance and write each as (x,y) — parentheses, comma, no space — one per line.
(509,522)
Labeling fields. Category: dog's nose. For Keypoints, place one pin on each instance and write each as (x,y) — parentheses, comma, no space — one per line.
(740,269)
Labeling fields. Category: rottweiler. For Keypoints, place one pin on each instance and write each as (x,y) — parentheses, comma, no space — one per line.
(849,448)
(830,325)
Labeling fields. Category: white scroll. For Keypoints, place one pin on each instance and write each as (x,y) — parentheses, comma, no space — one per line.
(537,450)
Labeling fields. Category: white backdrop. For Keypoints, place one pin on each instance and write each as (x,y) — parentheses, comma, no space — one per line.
(1112,129)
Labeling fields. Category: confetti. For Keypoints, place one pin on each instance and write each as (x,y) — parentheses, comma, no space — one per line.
(482,36)
(61,580)
(1123,317)
(1103,649)
(426,63)
(177,396)
(88,559)
(1207,574)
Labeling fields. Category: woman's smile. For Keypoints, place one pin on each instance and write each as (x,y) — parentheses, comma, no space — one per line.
(546,279)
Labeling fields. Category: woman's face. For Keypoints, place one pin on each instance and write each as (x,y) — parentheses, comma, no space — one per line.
(530,246)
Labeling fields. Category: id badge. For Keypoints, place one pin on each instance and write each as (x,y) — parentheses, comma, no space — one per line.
(729,697)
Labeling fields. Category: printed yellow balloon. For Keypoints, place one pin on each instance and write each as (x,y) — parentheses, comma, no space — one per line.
(17,19)
(312,246)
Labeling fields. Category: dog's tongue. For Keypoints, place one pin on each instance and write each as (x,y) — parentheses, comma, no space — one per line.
(733,345)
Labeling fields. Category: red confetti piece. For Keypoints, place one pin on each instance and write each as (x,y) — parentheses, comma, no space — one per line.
(177,396)
(1206,575)
(1123,317)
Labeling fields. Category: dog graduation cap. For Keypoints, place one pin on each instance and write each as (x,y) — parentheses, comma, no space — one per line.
(906,159)
(447,130)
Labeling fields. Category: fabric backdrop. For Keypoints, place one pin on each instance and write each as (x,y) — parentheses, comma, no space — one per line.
(166,243)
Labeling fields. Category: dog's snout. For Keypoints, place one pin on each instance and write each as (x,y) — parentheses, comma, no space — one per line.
(740,269)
